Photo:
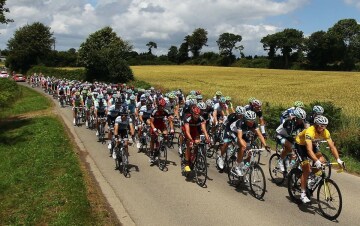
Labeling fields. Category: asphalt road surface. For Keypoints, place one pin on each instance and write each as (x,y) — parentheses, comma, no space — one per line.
(154,197)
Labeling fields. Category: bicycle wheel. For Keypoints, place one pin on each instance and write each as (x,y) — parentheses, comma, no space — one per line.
(212,150)
(233,177)
(125,164)
(118,159)
(170,140)
(257,181)
(162,157)
(200,169)
(277,176)
(329,199)
(294,187)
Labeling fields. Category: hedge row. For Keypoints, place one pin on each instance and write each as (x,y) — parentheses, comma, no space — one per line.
(76,74)
(10,92)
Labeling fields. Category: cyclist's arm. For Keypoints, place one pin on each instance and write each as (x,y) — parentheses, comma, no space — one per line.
(215,116)
(203,128)
(116,128)
(187,131)
(132,131)
(261,137)
(152,123)
(310,151)
(333,149)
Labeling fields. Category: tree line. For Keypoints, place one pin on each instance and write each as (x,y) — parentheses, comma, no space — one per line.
(106,56)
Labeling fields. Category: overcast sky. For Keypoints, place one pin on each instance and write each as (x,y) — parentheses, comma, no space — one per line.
(167,22)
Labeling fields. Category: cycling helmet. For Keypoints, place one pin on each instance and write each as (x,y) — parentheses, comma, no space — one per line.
(299,113)
(123,111)
(250,100)
(240,110)
(84,91)
(192,101)
(299,104)
(218,93)
(152,88)
(228,98)
(193,92)
(195,110)
(201,105)
(89,94)
(147,94)
(209,103)
(77,93)
(162,102)
(129,91)
(318,109)
(132,97)
(100,96)
(321,120)
(250,116)
(199,97)
(256,103)
(222,100)
(198,92)
(172,96)
(115,96)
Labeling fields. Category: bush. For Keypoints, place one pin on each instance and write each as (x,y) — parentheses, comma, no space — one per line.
(77,74)
(10,92)
(332,112)
(140,84)
(348,138)
(272,116)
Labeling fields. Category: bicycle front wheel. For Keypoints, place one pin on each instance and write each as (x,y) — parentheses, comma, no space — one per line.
(329,199)
(162,158)
(294,185)
(125,164)
(277,176)
(257,182)
(200,170)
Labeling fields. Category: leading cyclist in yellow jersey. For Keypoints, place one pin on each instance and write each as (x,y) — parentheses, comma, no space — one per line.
(307,148)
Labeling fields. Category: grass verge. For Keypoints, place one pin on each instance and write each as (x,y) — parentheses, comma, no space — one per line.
(41,179)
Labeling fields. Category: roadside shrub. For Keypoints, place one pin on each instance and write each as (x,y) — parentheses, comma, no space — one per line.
(347,139)
(10,91)
(140,84)
(77,74)
(272,116)
(332,112)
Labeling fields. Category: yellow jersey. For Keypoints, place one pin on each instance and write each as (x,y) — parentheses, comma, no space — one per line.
(311,134)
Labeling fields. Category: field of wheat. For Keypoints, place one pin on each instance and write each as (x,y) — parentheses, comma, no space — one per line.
(273,86)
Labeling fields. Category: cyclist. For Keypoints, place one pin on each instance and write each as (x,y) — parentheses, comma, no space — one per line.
(157,125)
(242,127)
(217,97)
(100,110)
(89,106)
(194,127)
(112,113)
(76,103)
(220,110)
(316,111)
(306,144)
(230,133)
(289,113)
(229,105)
(122,123)
(287,131)
(255,106)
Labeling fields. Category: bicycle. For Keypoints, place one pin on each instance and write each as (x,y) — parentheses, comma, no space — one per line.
(254,175)
(101,129)
(78,115)
(62,100)
(290,162)
(328,196)
(216,137)
(122,160)
(144,138)
(160,153)
(197,162)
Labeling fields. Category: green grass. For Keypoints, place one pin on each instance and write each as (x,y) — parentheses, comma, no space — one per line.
(41,181)
(30,101)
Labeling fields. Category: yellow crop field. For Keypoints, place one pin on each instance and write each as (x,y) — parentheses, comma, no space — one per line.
(268,85)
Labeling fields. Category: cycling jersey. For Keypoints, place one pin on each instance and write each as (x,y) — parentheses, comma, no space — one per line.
(78,101)
(145,112)
(131,105)
(286,114)
(311,134)
(289,128)
(159,118)
(195,126)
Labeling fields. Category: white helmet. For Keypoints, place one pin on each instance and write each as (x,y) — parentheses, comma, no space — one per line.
(299,113)
(321,120)
(209,103)
(240,110)
(318,109)
(201,105)
(250,115)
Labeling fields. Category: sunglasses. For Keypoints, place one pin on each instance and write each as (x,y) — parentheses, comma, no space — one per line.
(322,126)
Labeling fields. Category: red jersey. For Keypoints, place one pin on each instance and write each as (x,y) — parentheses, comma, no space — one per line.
(195,126)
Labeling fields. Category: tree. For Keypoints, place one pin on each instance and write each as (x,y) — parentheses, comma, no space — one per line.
(3,10)
(104,56)
(323,49)
(151,45)
(287,41)
(30,45)
(348,31)
(227,42)
(173,54)
(183,54)
(197,40)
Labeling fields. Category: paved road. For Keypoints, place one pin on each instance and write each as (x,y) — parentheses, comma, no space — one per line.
(153,197)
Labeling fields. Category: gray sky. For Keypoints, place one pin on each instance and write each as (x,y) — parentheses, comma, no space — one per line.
(167,22)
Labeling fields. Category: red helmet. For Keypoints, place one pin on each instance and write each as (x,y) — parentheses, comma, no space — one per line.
(162,102)
(195,110)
